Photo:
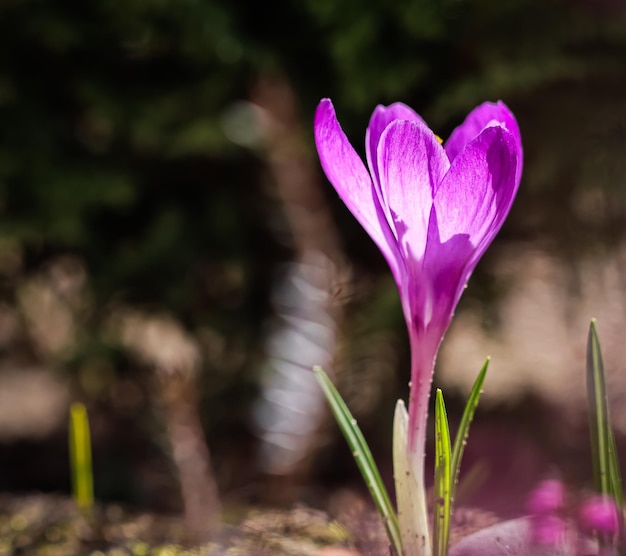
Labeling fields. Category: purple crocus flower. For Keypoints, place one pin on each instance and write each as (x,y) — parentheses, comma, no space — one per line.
(548,497)
(600,514)
(544,505)
(432,209)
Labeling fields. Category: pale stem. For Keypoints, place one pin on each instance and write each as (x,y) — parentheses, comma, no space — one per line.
(410,490)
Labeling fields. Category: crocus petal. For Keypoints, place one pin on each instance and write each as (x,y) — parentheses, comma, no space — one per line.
(470,206)
(446,268)
(478,119)
(381,118)
(411,163)
(476,194)
(346,171)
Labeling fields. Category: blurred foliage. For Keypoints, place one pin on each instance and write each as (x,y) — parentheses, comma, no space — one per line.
(112,145)
(115,149)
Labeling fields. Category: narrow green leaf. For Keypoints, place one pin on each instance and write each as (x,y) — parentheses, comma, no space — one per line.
(466,420)
(363,458)
(80,457)
(443,479)
(615,475)
(598,412)
(606,468)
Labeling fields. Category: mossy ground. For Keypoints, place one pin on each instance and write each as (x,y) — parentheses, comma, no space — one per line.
(49,525)
(46,525)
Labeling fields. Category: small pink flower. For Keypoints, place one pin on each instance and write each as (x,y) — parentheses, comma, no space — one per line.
(546,498)
(599,514)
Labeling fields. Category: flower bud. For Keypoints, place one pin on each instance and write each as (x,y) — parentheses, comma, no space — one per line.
(546,498)
(599,514)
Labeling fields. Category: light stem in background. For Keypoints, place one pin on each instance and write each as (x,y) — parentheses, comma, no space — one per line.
(80,457)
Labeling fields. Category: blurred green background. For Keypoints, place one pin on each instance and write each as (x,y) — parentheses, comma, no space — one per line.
(156,161)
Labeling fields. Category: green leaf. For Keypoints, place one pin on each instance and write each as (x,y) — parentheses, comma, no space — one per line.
(80,457)
(598,412)
(363,458)
(615,475)
(443,479)
(606,467)
(466,420)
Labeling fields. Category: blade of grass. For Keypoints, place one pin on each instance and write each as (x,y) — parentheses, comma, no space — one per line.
(443,479)
(606,468)
(615,475)
(80,457)
(466,420)
(598,412)
(363,458)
